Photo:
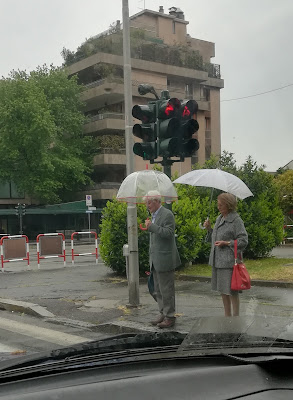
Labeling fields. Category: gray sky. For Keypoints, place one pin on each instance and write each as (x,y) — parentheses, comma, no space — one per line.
(253,46)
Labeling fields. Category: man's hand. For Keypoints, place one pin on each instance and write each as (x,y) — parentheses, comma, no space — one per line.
(147,223)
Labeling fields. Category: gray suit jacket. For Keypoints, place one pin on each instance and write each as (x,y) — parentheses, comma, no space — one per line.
(228,229)
(163,253)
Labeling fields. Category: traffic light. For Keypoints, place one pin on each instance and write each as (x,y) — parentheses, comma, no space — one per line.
(169,128)
(189,126)
(145,131)
(20,209)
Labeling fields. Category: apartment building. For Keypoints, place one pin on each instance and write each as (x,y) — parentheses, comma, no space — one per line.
(164,55)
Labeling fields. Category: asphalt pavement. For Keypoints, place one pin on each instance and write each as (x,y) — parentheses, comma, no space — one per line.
(90,297)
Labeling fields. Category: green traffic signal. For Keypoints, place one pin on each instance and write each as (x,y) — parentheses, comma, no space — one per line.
(148,151)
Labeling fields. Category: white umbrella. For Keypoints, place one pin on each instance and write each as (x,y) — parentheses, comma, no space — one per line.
(135,187)
(216,179)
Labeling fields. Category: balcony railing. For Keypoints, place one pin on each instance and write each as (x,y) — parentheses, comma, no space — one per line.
(213,70)
(95,84)
(105,116)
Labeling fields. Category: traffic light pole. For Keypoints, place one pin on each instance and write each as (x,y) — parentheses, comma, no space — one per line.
(133,273)
(20,212)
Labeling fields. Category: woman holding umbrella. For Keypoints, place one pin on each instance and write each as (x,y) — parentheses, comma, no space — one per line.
(228,228)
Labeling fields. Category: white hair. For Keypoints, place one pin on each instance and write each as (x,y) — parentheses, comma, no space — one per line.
(153,195)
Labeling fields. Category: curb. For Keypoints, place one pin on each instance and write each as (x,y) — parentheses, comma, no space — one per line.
(254,282)
(24,307)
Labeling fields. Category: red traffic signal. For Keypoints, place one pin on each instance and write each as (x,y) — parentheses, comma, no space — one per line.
(188,109)
(169,108)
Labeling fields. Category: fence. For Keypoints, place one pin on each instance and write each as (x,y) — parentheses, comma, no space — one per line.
(51,245)
(14,248)
(84,254)
(290,237)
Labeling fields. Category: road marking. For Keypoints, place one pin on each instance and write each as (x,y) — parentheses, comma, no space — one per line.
(45,334)
(7,349)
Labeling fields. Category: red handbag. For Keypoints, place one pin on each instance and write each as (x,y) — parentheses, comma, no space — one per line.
(240,277)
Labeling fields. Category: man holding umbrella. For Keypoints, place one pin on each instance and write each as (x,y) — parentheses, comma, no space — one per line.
(163,257)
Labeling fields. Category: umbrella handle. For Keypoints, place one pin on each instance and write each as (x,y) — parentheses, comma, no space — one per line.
(201,225)
(143,228)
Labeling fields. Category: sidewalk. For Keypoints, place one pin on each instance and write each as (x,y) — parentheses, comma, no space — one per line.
(93,297)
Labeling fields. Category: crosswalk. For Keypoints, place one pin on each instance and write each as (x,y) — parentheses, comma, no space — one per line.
(17,337)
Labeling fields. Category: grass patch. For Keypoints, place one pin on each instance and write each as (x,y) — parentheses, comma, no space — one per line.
(268,269)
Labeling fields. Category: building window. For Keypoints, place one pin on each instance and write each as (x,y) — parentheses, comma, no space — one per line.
(205,94)
(9,190)
(173,27)
(189,90)
(207,124)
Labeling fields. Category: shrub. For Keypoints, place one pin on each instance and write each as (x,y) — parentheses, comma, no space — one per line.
(114,235)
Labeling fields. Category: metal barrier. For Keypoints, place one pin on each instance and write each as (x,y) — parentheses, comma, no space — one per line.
(51,245)
(14,248)
(84,254)
(287,238)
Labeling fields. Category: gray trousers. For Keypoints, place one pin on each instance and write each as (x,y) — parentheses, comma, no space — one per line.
(165,291)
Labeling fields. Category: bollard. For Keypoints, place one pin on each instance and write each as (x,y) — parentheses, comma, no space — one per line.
(126,255)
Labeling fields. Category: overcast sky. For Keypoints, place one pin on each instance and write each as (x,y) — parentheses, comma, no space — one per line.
(253,46)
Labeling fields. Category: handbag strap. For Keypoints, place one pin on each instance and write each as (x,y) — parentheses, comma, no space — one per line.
(235,252)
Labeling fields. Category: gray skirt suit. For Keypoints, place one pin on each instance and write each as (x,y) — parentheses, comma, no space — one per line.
(221,259)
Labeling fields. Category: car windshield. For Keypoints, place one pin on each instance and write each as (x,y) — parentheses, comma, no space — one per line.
(145,167)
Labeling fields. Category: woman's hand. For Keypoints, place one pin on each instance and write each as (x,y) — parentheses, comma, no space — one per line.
(207,224)
(222,243)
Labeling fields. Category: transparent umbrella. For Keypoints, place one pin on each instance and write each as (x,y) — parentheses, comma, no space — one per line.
(216,179)
(136,186)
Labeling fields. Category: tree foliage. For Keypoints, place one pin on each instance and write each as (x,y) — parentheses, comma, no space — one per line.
(42,148)
(285,184)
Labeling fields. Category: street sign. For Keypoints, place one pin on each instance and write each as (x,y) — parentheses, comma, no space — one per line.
(92,208)
(89,211)
(88,200)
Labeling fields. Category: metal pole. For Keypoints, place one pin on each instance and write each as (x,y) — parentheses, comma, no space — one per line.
(167,170)
(89,220)
(133,281)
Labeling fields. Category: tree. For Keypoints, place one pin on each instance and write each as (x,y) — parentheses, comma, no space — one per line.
(285,184)
(42,148)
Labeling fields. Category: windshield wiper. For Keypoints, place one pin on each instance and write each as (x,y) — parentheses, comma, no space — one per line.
(120,343)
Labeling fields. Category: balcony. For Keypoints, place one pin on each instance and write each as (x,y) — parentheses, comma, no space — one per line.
(110,157)
(203,105)
(213,70)
(105,123)
(103,92)
(101,191)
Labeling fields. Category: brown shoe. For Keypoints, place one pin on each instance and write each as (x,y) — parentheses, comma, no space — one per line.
(159,319)
(167,323)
